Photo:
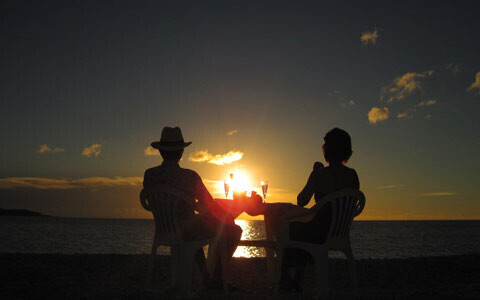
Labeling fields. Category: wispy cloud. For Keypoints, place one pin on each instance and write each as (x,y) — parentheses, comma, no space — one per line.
(402,115)
(232,132)
(343,99)
(427,103)
(428,117)
(433,194)
(390,186)
(62,184)
(44,148)
(370,37)
(476,84)
(454,68)
(377,114)
(94,149)
(217,159)
(404,85)
(150,151)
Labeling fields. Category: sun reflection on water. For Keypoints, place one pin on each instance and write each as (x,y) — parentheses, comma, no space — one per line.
(251,230)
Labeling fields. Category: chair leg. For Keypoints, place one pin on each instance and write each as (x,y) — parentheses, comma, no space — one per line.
(212,256)
(152,260)
(321,272)
(185,272)
(278,268)
(224,259)
(175,266)
(270,264)
(351,266)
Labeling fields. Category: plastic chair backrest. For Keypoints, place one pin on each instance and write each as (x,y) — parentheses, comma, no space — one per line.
(163,201)
(346,204)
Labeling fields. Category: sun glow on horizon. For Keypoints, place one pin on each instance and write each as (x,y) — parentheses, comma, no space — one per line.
(238,181)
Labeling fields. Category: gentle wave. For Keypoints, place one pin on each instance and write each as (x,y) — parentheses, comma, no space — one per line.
(370,239)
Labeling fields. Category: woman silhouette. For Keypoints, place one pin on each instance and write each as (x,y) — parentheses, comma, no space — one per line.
(322,181)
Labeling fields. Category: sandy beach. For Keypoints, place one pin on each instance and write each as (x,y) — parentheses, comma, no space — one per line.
(54,276)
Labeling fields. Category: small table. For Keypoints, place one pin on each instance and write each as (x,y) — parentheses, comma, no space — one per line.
(272,213)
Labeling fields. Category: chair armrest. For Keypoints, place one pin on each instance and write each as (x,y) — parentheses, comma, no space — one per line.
(144,201)
(305,215)
(360,204)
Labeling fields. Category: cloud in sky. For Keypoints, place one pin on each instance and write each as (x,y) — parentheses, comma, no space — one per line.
(385,187)
(433,194)
(343,99)
(232,132)
(454,68)
(44,148)
(347,103)
(150,151)
(476,84)
(402,115)
(217,159)
(427,103)
(62,184)
(369,37)
(94,149)
(404,85)
(377,114)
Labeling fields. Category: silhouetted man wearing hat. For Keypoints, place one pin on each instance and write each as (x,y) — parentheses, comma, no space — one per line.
(210,220)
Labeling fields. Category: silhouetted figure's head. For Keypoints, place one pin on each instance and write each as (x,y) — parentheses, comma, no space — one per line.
(337,147)
(172,155)
(171,144)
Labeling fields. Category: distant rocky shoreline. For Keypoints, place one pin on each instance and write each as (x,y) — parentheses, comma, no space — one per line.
(20,212)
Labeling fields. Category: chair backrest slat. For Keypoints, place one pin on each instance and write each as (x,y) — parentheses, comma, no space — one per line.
(346,204)
(163,202)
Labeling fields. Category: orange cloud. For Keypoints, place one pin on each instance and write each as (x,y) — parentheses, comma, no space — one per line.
(150,151)
(94,149)
(44,148)
(404,85)
(369,37)
(378,114)
(439,194)
(217,159)
(427,103)
(476,84)
(232,132)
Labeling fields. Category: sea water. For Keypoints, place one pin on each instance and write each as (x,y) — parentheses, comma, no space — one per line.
(370,239)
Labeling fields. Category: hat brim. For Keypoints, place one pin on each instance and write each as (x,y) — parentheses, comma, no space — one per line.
(169,147)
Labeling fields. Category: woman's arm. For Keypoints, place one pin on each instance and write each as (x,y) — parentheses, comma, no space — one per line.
(312,183)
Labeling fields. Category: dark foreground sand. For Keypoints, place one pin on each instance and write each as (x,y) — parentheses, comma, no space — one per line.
(44,276)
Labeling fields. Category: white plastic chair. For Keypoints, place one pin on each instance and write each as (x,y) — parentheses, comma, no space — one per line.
(162,201)
(346,204)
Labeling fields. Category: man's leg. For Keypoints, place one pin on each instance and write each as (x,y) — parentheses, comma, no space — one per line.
(231,234)
(201,262)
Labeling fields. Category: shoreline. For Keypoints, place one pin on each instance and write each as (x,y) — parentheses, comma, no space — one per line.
(113,276)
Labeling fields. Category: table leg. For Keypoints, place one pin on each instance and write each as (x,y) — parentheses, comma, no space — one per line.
(269,229)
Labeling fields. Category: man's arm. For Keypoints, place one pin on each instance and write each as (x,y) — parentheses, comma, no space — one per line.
(206,204)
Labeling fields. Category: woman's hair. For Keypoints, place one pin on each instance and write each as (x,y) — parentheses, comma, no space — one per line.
(172,155)
(338,146)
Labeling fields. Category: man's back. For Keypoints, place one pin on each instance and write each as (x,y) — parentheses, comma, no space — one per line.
(171,174)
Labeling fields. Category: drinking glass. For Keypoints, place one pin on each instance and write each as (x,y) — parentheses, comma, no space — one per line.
(264,189)
(226,186)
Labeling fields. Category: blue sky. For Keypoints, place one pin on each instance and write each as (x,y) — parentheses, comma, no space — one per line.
(282,74)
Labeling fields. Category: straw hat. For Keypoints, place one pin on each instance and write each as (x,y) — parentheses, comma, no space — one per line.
(171,139)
